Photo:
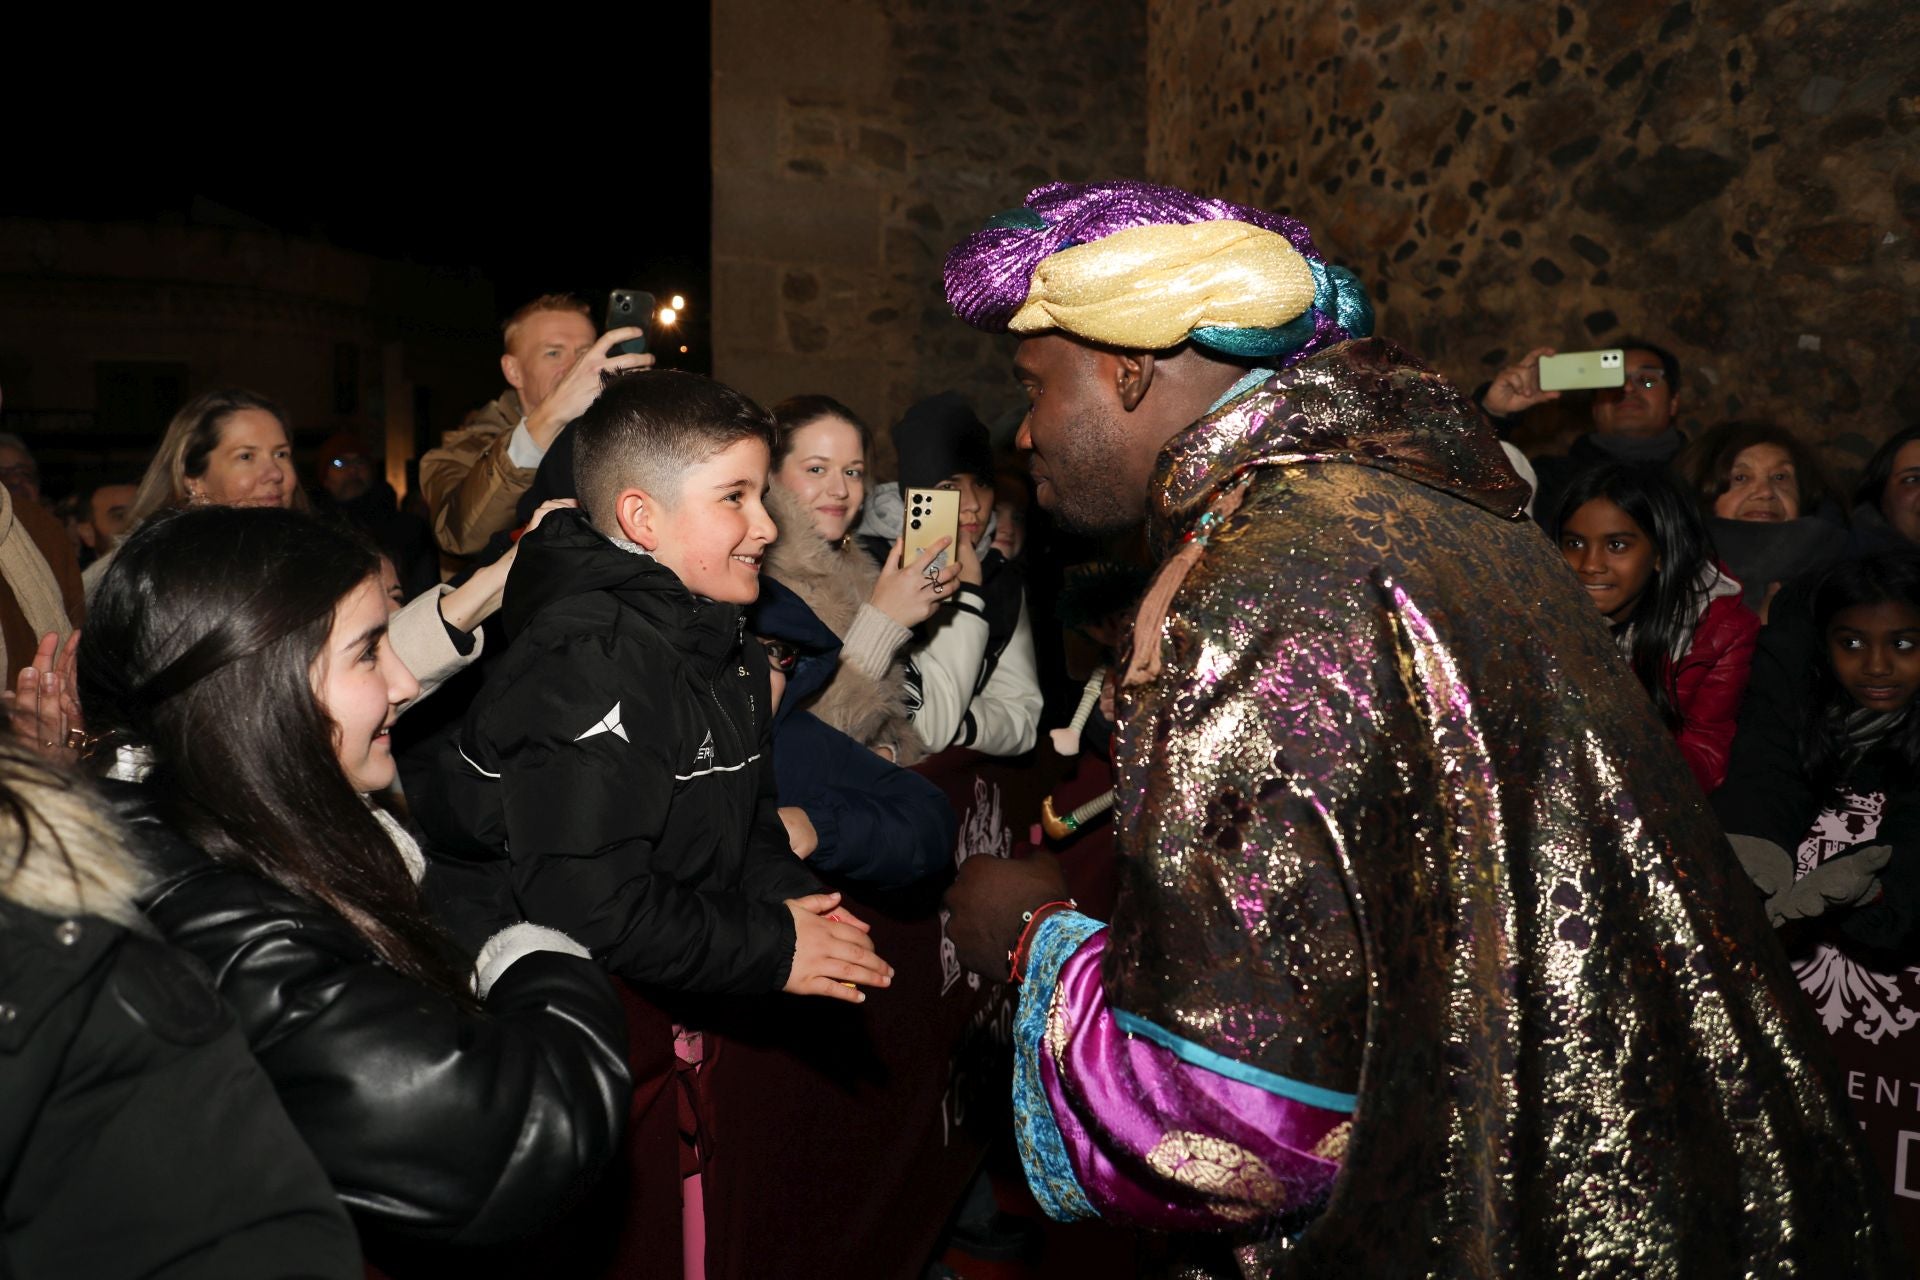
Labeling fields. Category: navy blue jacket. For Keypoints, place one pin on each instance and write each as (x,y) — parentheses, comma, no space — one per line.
(877,823)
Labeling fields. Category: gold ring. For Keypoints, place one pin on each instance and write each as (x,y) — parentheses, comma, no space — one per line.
(76,738)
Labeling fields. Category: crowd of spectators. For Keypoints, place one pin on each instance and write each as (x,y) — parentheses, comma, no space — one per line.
(700,673)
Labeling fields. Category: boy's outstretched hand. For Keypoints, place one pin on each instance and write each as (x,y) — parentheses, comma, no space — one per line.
(831,950)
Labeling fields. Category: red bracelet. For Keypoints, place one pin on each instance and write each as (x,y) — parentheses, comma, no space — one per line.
(1030,920)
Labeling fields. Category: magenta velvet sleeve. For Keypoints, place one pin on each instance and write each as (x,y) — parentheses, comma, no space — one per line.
(1116,1118)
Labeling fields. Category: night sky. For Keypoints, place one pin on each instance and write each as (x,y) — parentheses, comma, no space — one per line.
(563,187)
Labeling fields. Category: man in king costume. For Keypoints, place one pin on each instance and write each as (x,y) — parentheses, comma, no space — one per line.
(1428,958)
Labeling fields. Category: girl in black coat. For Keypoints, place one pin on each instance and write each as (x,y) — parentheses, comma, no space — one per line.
(137,1135)
(237,670)
(1826,817)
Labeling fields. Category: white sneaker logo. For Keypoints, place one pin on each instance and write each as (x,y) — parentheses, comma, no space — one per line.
(609,723)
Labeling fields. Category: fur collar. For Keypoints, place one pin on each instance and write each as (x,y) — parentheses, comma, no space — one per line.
(77,860)
(834,582)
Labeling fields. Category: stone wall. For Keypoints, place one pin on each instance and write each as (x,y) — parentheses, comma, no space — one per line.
(1738,176)
(855,140)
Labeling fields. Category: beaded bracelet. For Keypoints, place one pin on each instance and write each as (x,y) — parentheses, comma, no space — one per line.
(1030,920)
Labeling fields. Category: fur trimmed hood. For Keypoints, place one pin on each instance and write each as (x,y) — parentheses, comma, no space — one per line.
(76,860)
(835,582)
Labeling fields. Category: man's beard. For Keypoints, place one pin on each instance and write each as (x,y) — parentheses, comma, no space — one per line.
(1093,500)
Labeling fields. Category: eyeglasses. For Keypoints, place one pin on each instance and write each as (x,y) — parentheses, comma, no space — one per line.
(1647,379)
(781,656)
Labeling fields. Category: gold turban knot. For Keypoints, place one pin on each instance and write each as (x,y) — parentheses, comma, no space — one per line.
(1147,288)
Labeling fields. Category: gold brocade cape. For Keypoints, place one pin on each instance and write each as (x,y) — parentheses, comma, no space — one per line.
(1395,820)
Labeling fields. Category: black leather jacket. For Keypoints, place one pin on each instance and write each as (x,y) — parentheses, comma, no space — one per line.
(432,1120)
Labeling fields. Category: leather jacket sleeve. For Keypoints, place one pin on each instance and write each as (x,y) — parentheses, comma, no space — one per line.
(1711,682)
(431,1119)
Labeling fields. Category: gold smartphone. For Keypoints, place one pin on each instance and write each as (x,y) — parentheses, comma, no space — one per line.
(932,514)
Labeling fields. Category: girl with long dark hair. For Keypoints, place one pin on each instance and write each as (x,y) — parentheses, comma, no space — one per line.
(1636,542)
(237,672)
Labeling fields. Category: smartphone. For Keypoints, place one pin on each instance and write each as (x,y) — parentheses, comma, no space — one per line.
(627,307)
(932,514)
(1584,370)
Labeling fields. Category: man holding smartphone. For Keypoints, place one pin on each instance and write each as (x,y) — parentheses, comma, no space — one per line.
(553,366)
(1633,423)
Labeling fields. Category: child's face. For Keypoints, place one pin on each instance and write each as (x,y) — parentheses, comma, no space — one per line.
(714,535)
(1875,650)
(1612,556)
(976,503)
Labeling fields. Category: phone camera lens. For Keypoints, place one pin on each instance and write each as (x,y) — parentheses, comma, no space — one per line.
(916,524)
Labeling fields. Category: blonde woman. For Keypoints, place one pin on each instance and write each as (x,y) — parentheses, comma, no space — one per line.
(233,448)
(227,448)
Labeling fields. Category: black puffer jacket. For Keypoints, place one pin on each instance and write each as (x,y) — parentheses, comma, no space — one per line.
(138,1137)
(432,1120)
(613,779)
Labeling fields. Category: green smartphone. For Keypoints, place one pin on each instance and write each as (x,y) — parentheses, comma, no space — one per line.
(1584,370)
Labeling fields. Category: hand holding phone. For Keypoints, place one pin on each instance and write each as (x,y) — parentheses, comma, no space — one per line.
(1516,388)
(932,514)
(629,308)
(1584,370)
(911,588)
(579,388)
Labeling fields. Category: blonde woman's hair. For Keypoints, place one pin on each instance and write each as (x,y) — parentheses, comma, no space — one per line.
(191,437)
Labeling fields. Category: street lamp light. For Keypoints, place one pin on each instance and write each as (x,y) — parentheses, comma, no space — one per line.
(668,315)
(679,303)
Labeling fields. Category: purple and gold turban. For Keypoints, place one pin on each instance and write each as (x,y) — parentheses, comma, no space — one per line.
(1143,267)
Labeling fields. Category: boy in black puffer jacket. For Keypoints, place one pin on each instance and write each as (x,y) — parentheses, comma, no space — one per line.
(613,778)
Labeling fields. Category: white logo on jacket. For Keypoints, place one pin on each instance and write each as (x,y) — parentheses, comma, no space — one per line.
(609,723)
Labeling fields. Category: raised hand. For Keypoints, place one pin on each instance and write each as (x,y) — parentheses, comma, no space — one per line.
(581,387)
(1517,386)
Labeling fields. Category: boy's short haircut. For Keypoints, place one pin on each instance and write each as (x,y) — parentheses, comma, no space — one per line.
(648,428)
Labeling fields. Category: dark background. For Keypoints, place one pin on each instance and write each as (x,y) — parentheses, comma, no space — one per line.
(530,178)
(485,164)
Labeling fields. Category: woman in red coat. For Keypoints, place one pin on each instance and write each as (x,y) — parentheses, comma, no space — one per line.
(1640,548)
